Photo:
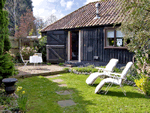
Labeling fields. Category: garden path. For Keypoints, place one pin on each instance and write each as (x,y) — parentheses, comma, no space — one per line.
(62,103)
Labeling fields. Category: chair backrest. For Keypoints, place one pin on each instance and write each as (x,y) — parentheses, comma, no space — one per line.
(111,64)
(125,71)
(21,57)
(39,54)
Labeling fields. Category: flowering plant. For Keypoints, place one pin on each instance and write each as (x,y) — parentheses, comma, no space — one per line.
(27,52)
(22,99)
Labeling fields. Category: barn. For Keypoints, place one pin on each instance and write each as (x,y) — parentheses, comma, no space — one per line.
(88,35)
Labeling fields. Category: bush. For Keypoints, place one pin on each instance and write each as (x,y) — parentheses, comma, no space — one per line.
(66,69)
(144,84)
(41,46)
(84,69)
(94,70)
(48,63)
(6,66)
(60,64)
(147,87)
(27,52)
(90,66)
(117,70)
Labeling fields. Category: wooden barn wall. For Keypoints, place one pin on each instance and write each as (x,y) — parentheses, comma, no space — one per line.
(93,45)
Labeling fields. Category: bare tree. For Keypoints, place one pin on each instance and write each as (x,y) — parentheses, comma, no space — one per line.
(51,19)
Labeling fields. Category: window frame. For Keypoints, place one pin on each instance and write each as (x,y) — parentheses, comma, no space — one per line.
(105,39)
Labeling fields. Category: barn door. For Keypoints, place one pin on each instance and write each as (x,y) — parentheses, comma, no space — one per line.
(56,46)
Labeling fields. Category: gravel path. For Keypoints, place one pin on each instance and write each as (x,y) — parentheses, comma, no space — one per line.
(38,69)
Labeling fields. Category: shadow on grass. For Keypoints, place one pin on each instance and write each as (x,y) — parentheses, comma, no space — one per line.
(120,93)
(128,94)
(43,96)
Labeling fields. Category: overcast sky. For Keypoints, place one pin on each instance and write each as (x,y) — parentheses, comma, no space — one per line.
(44,8)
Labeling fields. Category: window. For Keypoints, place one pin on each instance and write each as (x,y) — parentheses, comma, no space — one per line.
(114,38)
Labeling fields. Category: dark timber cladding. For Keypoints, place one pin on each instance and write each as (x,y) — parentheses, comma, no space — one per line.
(93,45)
(56,46)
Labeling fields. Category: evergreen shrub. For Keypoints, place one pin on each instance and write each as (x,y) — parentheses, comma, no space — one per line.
(6,64)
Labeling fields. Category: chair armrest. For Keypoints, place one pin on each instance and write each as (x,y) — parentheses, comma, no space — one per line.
(100,69)
(115,74)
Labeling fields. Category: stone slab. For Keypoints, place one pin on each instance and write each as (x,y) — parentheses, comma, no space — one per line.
(58,80)
(62,85)
(65,103)
(63,92)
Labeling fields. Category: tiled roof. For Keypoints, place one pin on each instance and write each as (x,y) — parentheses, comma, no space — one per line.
(83,17)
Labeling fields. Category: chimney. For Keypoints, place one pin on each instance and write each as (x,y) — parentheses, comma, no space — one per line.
(97,5)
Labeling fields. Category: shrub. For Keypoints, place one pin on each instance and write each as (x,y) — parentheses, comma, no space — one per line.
(40,44)
(144,84)
(90,66)
(94,70)
(48,63)
(6,64)
(27,52)
(22,99)
(60,64)
(66,69)
(147,87)
(117,70)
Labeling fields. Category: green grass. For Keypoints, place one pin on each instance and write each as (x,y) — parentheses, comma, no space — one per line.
(43,99)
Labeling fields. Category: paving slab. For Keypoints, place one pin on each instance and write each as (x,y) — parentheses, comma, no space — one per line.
(52,76)
(65,103)
(58,80)
(62,85)
(63,92)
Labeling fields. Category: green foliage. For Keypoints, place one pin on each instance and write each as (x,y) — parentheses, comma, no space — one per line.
(90,66)
(48,63)
(136,27)
(87,69)
(6,64)
(117,70)
(60,64)
(22,99)
(94,70)
(144,84)
(66,69)
(147,87)
(41,47)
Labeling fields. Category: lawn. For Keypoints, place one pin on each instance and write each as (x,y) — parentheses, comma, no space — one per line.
(42,96)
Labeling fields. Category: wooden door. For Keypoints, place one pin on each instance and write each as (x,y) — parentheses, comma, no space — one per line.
(56,46)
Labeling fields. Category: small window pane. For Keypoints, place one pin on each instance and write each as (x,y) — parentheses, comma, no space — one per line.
(119,42)
(119,38)
(110,38)
(119,33)
(110,41)
(110,34)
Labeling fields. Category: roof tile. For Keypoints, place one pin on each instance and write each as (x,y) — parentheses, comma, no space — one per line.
(84,16)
